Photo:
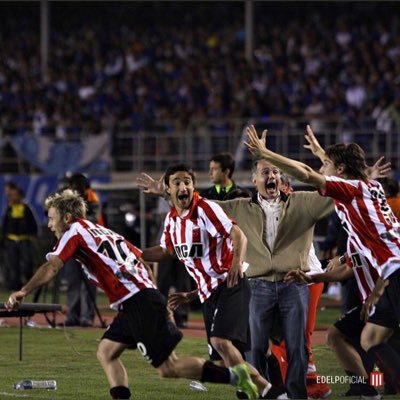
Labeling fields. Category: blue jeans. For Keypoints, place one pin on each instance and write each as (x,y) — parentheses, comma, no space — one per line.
(290,301)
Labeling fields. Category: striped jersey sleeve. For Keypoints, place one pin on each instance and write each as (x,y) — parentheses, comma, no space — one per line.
(341,189)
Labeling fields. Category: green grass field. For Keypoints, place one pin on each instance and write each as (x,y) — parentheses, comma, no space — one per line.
(69,357)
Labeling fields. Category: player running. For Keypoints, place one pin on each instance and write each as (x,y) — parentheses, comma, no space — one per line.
(142,322)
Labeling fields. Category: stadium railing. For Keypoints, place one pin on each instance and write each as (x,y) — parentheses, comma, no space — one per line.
(169,142)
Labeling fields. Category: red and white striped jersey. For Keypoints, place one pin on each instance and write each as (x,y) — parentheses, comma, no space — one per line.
(369,221)
(364,272)
(108,260)
(201,240)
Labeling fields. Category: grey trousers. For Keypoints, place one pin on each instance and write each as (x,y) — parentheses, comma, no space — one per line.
(81,295)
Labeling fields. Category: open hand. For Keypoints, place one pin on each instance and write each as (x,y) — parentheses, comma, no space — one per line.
(255,145)
(379,170)
(149,185)
(313,144)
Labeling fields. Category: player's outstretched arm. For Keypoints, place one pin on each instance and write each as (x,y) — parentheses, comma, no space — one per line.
(43,275)
(155,254)
(300,171)
(297,276)
(339,274)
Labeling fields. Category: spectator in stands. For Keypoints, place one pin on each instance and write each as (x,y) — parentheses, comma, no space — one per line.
(136,81)
(19,230)
(393,111)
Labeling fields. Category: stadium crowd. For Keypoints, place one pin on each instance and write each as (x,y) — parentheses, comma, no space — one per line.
(126,64)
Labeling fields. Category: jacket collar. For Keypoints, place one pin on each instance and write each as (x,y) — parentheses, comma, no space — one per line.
(283,196)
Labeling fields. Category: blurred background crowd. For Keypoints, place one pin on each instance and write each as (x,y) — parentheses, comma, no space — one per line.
(134,64)
(150,83)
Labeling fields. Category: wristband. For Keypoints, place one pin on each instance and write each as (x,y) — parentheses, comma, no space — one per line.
(342,259)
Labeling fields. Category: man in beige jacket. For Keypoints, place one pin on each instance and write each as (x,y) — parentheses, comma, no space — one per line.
(279,231)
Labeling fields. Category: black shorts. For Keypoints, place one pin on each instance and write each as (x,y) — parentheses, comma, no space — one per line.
(226,315)
(350,325)
(387,311)
(142,323)
(394,340)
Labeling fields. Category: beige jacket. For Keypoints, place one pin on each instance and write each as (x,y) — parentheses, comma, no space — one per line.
(300,212)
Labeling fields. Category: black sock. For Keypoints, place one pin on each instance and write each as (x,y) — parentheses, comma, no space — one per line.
(365,358)
(358,388)
(214,373)
(388,362)
(120,392)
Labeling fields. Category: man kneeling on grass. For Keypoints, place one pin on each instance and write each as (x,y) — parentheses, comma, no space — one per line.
(142,322)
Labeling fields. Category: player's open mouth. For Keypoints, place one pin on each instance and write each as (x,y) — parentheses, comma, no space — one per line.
(183,197)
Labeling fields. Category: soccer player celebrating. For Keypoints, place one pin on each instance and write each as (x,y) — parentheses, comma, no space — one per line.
(212,248)
(373,233)
(142,322)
